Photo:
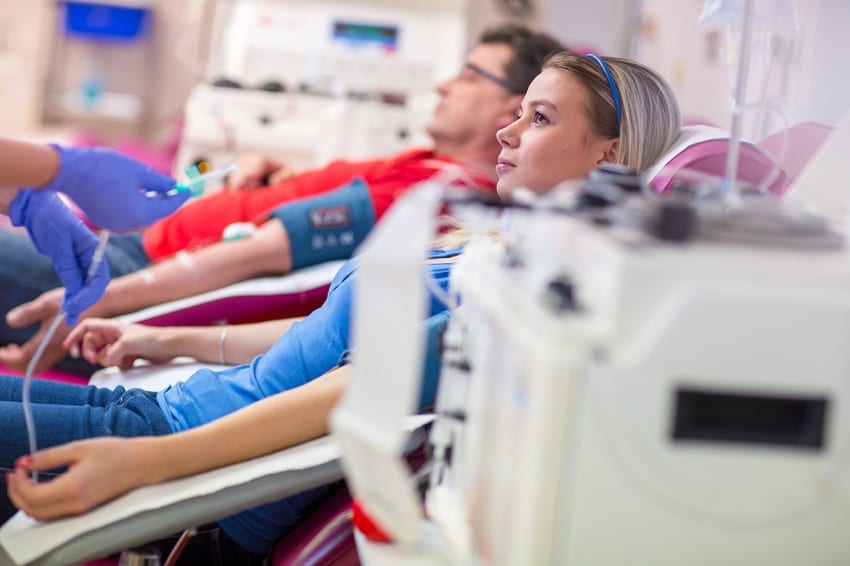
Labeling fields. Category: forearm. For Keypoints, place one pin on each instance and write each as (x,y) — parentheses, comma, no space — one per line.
(213,267)
(236,344)
(270,425)
(25,165)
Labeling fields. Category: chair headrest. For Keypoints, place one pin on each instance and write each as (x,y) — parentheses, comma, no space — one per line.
(703,150)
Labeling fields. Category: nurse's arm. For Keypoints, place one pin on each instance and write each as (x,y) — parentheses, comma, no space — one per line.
(24,165)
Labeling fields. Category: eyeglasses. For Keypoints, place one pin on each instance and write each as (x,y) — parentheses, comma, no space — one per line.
(502,82)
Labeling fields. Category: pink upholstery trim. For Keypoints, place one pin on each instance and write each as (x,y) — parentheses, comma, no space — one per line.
(709,157)
(335,545)
(50,374)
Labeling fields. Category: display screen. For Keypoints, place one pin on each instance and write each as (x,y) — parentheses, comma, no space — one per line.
(360,34)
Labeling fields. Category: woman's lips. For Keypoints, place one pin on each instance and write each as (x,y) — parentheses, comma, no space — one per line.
(504,165)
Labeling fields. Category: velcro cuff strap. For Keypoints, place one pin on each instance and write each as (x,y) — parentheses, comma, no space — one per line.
(327,227)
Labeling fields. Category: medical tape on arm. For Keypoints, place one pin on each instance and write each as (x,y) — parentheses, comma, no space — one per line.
(327,227)
(185,259)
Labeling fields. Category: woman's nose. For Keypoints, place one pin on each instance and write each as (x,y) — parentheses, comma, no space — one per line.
(507,136)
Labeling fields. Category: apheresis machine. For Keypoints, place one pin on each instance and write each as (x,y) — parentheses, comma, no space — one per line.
(310,80)
(626,379)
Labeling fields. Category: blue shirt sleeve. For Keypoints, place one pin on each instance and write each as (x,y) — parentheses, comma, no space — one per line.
(309,349)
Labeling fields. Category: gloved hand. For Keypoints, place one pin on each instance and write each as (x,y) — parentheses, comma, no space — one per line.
(60,235)
(111,188)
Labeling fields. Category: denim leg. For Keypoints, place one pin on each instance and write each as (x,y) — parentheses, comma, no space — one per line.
(64,412)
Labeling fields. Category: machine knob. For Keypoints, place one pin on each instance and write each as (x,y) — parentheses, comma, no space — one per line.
(560,295)
(675,221)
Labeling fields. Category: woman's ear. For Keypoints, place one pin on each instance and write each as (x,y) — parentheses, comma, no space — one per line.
(612,151)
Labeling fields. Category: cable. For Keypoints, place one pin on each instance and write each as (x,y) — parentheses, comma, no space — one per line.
(180,546)
(97,258)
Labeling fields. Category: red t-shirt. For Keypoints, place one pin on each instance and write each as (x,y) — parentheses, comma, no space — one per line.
(202,221)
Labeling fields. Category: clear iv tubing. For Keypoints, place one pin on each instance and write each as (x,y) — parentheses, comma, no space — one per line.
(97,259)
(740,89)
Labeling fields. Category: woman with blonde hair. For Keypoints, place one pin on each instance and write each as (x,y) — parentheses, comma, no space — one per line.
(578,112)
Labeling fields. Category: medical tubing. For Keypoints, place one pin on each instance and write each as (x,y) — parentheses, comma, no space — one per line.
(740,90)
(768,106)
(25,394)
(97,258)
(180,546)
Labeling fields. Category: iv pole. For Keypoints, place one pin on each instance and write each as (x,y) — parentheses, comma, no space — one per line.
(737,102)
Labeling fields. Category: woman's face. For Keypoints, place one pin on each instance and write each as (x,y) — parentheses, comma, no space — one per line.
(551,141)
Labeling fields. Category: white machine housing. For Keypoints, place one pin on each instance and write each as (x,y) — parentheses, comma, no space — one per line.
(687,406)
(359,78)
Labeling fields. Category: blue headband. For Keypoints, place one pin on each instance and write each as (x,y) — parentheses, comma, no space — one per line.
(615,94)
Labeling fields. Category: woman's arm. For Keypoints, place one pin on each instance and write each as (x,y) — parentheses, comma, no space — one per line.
(104,468)
(111,342)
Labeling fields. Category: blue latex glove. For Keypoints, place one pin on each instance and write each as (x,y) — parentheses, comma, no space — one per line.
(110,188)
(60,235)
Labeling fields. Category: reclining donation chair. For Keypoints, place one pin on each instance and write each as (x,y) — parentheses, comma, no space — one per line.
(702,151)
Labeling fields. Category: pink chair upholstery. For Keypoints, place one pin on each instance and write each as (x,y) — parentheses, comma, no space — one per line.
(50,374)
(804,140)
(703,150)
(324,537)
(266,298)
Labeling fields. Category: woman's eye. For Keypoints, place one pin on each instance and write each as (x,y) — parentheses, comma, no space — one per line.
(539,118)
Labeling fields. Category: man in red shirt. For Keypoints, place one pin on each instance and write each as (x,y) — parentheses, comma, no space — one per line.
(484,97)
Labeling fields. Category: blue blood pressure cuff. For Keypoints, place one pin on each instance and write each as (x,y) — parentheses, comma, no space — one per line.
(329,226)
(434,328)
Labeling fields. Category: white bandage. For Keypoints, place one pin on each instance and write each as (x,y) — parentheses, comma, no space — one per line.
(147,276)
(185,259)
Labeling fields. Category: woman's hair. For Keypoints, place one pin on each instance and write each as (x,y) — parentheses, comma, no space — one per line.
(649,113)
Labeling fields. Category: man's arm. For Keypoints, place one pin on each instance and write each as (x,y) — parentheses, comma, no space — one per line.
(266,253)
(221,264)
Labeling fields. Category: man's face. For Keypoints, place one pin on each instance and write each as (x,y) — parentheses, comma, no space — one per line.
(473,105)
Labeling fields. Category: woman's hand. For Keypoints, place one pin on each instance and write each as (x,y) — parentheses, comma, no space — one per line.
(110,342)
(256,170)
(99,470)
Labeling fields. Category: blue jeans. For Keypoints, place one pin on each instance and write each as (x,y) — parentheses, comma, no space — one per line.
(64,412)
(25,274)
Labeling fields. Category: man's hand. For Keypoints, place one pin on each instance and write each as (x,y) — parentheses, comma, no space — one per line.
(42,310)
(256,170)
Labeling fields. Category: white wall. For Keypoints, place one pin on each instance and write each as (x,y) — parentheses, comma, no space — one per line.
(607,25)
(813,85)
